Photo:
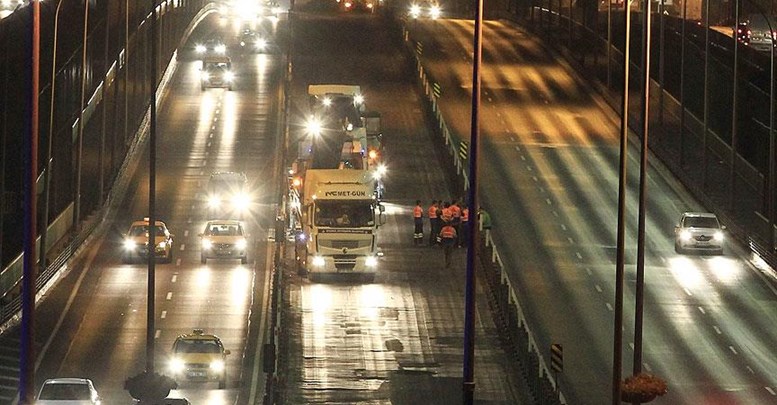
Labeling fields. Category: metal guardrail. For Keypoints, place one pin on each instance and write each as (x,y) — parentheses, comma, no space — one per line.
(505,303)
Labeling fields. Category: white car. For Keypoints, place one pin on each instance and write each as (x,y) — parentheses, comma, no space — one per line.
(699,231)
(224,239)
(68,391)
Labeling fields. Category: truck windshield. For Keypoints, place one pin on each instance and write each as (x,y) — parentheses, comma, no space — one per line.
(344,214)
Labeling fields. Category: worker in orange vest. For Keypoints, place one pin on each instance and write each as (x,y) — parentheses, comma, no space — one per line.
(418,220)
(434,222)
(448,237)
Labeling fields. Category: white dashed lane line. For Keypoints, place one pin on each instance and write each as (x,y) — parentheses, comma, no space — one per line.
(169,295)
(609,307)
(702,311)
(174,279)
(177,262)
(163,315)
(186,232)
(563,227)
(599,289)
(717,330)
(688,292)
(157,333)
(183,245)
(771,391)
(733,350)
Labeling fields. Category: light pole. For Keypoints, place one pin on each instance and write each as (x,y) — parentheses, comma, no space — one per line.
(80,147)
(47,183)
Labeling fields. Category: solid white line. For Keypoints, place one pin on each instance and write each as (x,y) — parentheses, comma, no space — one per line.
(169,295)
(163,315)
(261,338)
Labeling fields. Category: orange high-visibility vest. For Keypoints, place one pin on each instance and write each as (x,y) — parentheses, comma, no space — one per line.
(418,212)
(465,215)
(448,232)
(433,211)
(446,214)
(455,211)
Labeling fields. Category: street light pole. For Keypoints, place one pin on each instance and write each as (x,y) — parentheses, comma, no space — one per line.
(469,288)
(27,349)
(152,198)
(47,183)
(620,255)
(80,147)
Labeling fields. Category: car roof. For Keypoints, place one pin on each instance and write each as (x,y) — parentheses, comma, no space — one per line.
(198,334)
(224,222)
(700,214)
(67,380)
(239,175)
(144,221)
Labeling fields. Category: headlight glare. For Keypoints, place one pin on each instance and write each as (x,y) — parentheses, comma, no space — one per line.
(217,366)
(214,202)
(241,244)
(318,261)
(371,261)
(207,244)
(685,235)
(718,236)
(176,366)
(129,244)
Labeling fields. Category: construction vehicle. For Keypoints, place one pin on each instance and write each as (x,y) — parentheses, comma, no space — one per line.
(335,217)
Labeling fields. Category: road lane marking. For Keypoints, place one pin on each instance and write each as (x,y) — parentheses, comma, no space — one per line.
(609,306)
(157,333)
(174,279)
(631,345)
(588,270)
(579,256)
(702,311)
(547,200)
(717,330)
(647,367)
(750,369)
(182,246)
(571,241)
(178,262)
(771,391)
(163,315)
(733,350)
(554,212)
(523,157)
(598,288)
(687,291)
(209,144)
(186,232)
(563,227)
(169,295)
(535,178)
(189,221)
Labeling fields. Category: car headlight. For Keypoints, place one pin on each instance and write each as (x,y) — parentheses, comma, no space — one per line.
(434,12)
(199,48)
(685,235)
(176,366)
(207,244)
(228,76)
(214,202)
(415,11)
(217,365)
(261,43)
(318,261)
(241,244)
(221,48)
(205,76)
(371,261)
(130,244)
(240,201)
(718,236)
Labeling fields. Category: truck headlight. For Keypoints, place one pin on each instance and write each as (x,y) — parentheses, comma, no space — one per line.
(718,236)
(240,201)
(199,48)
(415,11)
(214,202)
(241,244)
(217,365)
(205,76)
(434,12)
(207,244)
(130,244)
(685,235)
(221,48)
(176,366)
(228,76)
(261,44)
(371,261)
(318,261)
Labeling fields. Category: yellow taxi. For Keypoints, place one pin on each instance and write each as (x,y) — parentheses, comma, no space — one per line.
(199,356)
(136,242)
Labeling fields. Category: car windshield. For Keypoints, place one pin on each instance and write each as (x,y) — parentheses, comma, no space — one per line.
(142,230)
(224,230)
(344,214)
(197,346)
(66,392)
(700,222)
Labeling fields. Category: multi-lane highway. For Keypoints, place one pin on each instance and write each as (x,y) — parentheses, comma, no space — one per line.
(550,177)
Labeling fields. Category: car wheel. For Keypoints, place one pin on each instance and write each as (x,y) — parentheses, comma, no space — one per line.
(223,383)
(678,249)
(229,88)
(203,259)
(244,260)
(202,87)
